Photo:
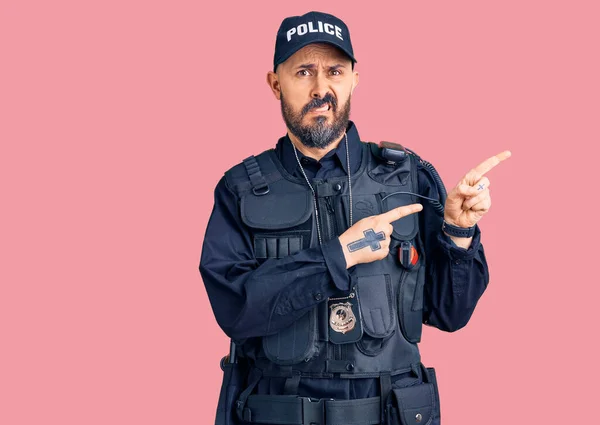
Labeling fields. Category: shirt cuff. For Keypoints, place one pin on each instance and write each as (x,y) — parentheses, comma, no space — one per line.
(336,264)
(457,252)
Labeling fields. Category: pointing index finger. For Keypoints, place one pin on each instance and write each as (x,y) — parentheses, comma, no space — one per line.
(398,213)
(490,163)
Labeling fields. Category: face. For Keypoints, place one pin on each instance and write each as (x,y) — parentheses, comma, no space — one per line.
(314,87)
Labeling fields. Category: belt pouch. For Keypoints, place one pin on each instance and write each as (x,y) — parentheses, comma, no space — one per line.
(414,405)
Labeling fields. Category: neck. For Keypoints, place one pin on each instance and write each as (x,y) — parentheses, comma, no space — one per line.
(315,153)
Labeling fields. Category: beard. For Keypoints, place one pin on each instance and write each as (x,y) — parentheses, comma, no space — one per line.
(317,134)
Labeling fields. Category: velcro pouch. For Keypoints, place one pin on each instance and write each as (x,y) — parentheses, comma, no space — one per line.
(410,304)
(376,303)
(407,227)
(413,405)
(377,312)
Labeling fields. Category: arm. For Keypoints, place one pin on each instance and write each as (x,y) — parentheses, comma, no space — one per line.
(250,299)
(455,277)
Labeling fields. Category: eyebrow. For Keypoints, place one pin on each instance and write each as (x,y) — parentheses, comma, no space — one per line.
(313,66)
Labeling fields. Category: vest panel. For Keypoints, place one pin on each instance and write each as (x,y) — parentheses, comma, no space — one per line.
(389,296)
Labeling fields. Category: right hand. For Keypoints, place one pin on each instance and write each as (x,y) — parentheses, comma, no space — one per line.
(377,228)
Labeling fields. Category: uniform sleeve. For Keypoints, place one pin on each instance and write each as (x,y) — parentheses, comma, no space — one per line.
(455,277)
(250,298)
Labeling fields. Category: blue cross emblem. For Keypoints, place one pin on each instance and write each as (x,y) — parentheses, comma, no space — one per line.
(371,239)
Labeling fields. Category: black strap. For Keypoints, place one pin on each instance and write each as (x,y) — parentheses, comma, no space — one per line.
(385,386)
(291,385)
(241,410)
(259,184)
(362,411)
(288,410)
(424,373)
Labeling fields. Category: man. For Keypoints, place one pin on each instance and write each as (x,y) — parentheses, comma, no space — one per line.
(318,266)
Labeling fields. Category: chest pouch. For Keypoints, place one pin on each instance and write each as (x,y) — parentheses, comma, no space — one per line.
(345,321)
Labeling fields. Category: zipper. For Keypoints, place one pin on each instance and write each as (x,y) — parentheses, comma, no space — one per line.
(330,223)
(329,204)
(331,233)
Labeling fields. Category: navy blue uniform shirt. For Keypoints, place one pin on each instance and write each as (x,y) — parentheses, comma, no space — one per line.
(244,292)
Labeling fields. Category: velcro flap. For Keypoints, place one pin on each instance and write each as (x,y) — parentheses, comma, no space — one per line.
(405,228)
(415,403)
(276,210)
(294,343)
(376,305)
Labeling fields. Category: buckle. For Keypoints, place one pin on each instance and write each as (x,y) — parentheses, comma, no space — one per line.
(313,411)
(261,190)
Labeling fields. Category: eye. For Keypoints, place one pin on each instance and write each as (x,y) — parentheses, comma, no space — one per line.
(302,71)
(336,72)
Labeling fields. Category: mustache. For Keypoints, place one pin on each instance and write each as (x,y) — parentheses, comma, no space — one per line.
(317,103)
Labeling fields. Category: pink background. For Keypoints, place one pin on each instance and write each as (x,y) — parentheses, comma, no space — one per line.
(117,118)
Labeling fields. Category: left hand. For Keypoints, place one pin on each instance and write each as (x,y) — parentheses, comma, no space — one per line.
(470,199)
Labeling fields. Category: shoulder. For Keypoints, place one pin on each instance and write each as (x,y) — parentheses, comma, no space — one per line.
(428,180)
(242,176)
(392,152)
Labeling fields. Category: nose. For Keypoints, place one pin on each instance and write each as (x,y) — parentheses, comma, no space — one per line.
(320,88)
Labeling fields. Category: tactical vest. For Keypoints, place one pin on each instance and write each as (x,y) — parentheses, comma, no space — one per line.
(278,208)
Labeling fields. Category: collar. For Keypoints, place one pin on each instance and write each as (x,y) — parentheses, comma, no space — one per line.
(285,151)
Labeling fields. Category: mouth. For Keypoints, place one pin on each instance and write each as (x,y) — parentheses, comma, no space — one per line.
(324,108)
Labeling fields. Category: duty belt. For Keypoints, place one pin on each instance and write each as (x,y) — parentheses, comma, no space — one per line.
(294,410)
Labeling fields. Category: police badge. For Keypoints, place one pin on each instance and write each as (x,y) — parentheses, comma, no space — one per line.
(342,319)
(345,321)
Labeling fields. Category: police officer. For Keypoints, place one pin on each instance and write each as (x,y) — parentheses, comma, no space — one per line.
(324,256)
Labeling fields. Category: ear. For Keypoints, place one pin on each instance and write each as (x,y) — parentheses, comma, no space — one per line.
(354,81)
(274,85)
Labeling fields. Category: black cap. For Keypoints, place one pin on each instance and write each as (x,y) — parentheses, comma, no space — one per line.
(296,32)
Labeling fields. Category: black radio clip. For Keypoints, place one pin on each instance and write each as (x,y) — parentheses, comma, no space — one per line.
(392,153)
